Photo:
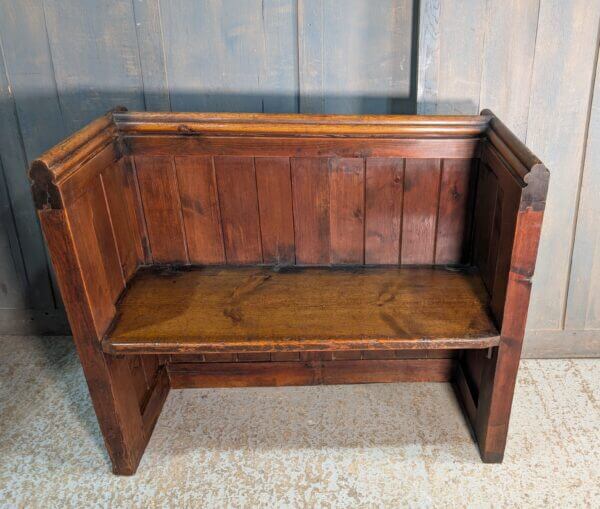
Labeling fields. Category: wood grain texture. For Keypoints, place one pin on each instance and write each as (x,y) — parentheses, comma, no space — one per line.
(279,374)
(275,146)
(149,32)
(383,214)
(487,198)
(232,65)
(563,49)
(116,403)
(224,309)
(200,206)
(162,208)
(347,211)
(28,250)
(420,210)
(507,61)
(119,186)
(341,74)
(238,201)
(310,185)
(95,58)
(454,215)
(274,184)
(450,62)
(583,307)
(97,254)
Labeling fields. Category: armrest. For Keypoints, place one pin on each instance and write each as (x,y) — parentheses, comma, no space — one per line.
(86,195)
(510,202)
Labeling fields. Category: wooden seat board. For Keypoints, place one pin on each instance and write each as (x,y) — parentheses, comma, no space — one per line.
(254,309)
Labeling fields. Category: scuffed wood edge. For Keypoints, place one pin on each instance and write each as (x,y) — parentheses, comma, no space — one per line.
(63,160)
(259,124)
(514,151)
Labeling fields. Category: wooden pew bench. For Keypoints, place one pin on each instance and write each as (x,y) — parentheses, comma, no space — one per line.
(235,250)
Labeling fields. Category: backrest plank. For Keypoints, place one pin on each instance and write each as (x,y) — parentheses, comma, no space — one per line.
(238,200)
(200,205)
(383,209)
(274,184)
(162,208)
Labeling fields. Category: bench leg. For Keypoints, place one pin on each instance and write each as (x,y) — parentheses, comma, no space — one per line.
(487,401)
(125,414)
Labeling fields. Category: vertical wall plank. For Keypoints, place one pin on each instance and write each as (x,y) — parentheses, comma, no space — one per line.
(557,122)
(162,208)
(347,210)
(27,54)
(583,306)
(244,55)
(274,184)
(238,200)
(310,186)
(149,31)
(453,215)
(30,249)
(95,56)
(429,56)
(450,47)
(199,203)
(384,189)
(339,73)
(13,283)
(508,61)
(420,207)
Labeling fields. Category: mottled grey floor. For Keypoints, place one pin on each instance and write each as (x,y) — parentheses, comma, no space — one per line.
(384,445)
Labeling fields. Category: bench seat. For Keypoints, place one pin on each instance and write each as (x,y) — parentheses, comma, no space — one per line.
(258,309)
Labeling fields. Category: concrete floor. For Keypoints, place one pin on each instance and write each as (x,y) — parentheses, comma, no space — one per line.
(384,445)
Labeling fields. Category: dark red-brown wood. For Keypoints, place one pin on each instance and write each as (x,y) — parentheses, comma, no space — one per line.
(138,189)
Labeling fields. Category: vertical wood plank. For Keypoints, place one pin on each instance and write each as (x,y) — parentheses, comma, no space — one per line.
(30,247)
(162,209)
(200,207)
(506,215)
(339,73)
(310,186)
(452,225)
(487,198)
(149,31)
(583,306)
(451,43)
(238,200)
(244,55)
(95,57)
(384,193)
(150,366)
(508,61)
(96,254)
(27,54)
(420,208)
(429,56)
(557,123)
(13,283)
(120,195)
(138,377)
(346,210)
(100,223)
(274,184)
